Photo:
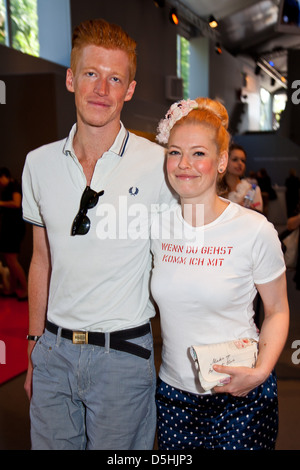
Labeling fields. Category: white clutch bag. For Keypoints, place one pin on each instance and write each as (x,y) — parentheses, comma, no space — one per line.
(241,352)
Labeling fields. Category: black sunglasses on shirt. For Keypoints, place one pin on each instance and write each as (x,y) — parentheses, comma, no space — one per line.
(89,199)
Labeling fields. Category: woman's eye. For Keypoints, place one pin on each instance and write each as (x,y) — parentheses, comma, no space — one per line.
(173,152)
(199,154)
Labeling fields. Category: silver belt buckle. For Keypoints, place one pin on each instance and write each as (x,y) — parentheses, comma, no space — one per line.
(80,337)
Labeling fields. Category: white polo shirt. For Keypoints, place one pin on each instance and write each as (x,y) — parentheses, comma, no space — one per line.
(99,281)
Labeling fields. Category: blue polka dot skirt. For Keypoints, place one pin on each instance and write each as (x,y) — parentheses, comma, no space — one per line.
(219,421)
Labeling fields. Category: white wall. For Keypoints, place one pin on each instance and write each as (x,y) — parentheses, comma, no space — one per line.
(251,121)
(55,30)
(199,67)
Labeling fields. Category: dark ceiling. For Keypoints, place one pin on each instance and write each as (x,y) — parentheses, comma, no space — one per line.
(248,28)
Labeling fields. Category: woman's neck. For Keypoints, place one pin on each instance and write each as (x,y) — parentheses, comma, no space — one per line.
(197,213)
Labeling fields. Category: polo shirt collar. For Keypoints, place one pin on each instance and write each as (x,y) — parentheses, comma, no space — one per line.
(118,147)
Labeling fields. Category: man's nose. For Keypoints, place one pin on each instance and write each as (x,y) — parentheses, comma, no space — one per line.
(101,87)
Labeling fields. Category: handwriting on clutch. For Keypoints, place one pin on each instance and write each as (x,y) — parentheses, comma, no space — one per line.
(223,360)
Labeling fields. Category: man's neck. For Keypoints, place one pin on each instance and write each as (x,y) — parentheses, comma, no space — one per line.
(90,142)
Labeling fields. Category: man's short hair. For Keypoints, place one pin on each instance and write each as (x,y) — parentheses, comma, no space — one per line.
(98,32)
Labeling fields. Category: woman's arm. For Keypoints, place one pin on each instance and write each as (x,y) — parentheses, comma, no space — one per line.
(293,222)
(38,286)
(272,339)
(15,203)
(257,203)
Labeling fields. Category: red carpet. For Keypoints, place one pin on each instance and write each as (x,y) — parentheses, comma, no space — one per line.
(13,343)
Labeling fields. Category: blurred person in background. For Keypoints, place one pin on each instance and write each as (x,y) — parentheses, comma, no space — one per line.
(12,232)
(234,186)
(292,184)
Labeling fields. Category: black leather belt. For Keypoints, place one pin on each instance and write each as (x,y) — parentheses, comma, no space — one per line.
(118,339)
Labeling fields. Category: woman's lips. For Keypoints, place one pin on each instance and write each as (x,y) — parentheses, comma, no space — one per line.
(186,177)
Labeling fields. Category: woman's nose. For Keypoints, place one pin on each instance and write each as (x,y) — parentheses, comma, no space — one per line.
(184,162)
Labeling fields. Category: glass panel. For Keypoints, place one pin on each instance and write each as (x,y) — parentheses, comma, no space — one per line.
(279,104)
(2,22)
(183,63)
(24,26)
(265,110)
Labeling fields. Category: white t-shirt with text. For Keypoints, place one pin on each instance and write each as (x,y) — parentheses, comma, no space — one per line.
(204,282)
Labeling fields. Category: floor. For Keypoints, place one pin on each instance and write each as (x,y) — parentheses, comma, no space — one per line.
(14,421)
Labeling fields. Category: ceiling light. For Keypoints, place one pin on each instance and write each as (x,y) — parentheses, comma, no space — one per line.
(212,22)
(272,72)
(159,3)
(173,16)
(218,48)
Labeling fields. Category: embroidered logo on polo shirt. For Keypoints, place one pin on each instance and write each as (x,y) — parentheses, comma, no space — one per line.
(133,191)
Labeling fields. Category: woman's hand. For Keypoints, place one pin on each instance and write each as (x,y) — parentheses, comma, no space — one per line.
(241,381)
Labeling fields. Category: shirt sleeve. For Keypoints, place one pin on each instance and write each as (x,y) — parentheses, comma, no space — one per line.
(267,255)
(30,201)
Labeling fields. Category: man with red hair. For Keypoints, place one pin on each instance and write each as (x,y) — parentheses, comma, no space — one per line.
(91,376)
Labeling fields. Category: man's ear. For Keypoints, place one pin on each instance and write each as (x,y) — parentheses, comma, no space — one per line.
(70,80)
(130,91)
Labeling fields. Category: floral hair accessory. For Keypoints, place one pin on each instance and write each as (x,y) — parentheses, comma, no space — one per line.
(177,111)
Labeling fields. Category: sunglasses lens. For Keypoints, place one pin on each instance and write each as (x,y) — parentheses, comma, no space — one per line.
(89,199)
(81,225)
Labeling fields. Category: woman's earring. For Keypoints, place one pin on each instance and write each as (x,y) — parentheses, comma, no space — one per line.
(221,170)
